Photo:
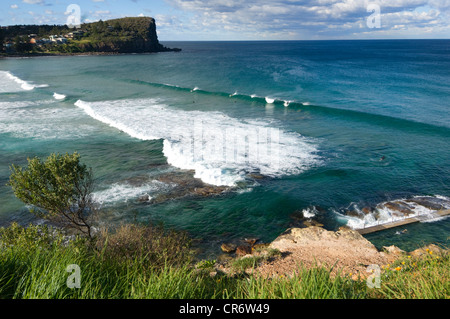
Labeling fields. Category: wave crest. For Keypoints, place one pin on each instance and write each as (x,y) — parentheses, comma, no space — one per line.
(10,83)
(222,150)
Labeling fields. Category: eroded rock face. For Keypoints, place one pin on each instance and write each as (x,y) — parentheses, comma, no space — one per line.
(316,236)
(345,249)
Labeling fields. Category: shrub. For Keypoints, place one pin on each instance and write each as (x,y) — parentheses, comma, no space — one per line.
(59,190)
(147,245)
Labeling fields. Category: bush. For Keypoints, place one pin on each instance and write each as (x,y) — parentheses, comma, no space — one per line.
(147,245)
(59,189)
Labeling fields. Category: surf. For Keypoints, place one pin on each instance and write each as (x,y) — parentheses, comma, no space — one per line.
(221,150)
(10,83)
(394,210)
(316,108)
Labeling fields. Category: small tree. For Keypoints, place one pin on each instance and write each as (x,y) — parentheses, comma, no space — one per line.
(59,189)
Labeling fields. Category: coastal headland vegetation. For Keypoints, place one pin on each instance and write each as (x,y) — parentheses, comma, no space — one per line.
(124,35)
(134,261)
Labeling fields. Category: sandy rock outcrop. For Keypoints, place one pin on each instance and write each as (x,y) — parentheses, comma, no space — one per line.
(345,249)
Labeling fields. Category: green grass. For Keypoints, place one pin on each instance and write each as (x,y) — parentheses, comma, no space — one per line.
(411,278)
(140,262)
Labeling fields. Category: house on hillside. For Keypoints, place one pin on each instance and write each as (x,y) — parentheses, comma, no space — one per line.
(32,38)
(59,39)
(75,34)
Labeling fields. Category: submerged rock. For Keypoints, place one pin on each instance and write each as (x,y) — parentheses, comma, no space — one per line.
(144,198)
(432,203)
(251,241)
(398,206)
(228,247)
(185,184)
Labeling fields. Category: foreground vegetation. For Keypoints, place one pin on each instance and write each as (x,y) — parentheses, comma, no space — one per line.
(137,262)
(146,261)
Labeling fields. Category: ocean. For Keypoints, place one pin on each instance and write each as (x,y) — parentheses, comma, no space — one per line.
(291,130)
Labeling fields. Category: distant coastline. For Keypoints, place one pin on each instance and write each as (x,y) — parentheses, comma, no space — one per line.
(50,54)
(125,35)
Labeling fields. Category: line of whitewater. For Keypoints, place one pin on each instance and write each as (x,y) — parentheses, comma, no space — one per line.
(373,118)
(220,149)
(11,83)
(241,96)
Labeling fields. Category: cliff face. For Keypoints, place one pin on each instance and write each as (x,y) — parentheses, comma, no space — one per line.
(125,35)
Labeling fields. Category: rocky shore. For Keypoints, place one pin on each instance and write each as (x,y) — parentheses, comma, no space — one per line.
(344,251)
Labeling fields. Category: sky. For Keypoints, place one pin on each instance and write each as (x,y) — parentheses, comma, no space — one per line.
(206,20)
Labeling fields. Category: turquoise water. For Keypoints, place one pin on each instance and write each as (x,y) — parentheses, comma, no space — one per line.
(336,125)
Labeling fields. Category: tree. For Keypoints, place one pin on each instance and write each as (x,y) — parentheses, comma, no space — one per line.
(59,189)
(2,39)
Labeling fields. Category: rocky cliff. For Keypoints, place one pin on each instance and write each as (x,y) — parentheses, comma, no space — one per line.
(125,35)
(344,251)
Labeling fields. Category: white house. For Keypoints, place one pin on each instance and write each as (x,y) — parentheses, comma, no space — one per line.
(58,39)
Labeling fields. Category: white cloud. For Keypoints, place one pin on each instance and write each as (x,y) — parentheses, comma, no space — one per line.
(33,1)
(100,12)
(335,18)
(14,6)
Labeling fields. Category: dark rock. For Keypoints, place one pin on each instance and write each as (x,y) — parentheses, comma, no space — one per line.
(209,190)
(352,213)
(297,215)
(185,184)
(251,241)
(144,198)
(228,247)
(243,250)
(400,207)
(429,202)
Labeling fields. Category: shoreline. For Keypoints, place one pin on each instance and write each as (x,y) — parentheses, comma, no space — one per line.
(344,251)
(43,54)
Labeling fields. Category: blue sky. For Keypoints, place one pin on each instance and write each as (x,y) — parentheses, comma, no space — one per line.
(253,19)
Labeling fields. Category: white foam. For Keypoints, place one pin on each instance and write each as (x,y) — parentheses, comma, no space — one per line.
(221,149)
(309,212)
(42,119)
(383,214)
(270,100)
(58,96)
(11,83)
(125,192)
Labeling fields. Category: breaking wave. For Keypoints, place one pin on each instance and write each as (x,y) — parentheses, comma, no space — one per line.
(10,83)
(394,210)
(220,149)
(124,192)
